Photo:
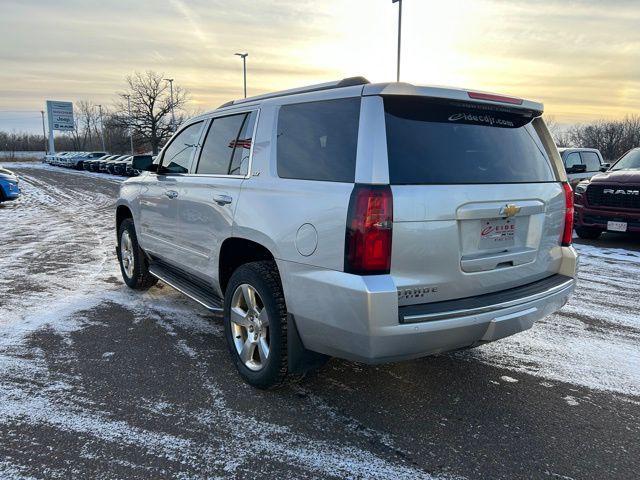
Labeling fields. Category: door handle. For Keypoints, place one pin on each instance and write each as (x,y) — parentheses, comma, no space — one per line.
(222,199)
(171,193)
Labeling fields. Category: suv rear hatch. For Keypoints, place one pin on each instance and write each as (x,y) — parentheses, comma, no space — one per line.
(477,204)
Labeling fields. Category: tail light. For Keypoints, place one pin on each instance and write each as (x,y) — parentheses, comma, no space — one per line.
(567,234)
(369,230)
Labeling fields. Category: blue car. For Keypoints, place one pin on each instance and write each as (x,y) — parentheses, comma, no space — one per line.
(9,189)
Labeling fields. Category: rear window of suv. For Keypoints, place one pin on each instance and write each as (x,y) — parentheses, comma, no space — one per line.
(431,142)
(318,140)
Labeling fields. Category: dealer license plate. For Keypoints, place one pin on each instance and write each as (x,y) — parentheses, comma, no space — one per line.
(497,233)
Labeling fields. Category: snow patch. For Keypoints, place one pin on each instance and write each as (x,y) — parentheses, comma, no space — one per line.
(571,400)
(594,341)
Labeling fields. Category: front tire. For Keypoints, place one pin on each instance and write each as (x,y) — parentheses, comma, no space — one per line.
(588,233)
(134,264)
(255,324)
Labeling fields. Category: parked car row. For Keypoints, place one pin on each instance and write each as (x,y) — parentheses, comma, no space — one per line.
(72,159)
(116,164)
(98,162)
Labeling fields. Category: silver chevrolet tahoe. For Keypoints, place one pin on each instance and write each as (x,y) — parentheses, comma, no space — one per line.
(370,222)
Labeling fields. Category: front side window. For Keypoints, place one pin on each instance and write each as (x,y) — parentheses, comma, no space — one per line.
(177,156)
(227,145)
(572,160)
(591,160)
(318,140)
(442,142)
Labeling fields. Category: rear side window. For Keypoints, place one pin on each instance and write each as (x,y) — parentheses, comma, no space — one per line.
(318,140)
(227,145)
(591,160)
(432,142)
(240,157)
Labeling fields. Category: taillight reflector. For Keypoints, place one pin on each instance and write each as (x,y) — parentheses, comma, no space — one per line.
(495,98)
(567,234)
(369,230)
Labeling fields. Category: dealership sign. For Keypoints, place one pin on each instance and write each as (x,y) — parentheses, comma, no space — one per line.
(60,115)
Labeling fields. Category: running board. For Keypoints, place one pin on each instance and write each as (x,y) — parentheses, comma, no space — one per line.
(192,289)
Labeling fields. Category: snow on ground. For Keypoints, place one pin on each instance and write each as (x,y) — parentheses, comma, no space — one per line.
(57,264)
(594,341)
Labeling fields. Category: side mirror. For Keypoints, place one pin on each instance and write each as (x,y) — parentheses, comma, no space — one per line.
(144,164)
(577,169)
(604,167)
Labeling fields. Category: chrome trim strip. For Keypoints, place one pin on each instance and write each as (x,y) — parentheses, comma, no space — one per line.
(160,277)
(488,308)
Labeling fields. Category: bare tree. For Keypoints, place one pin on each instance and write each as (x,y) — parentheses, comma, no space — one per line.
(604,135)
(86,121)
(151,107)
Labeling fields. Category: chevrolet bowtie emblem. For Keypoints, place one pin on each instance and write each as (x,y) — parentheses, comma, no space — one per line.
(509,210)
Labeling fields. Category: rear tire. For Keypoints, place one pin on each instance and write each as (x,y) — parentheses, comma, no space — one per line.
(134,264)
(588,233)
(255,322)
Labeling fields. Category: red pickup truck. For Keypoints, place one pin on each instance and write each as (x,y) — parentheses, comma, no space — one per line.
(610,201)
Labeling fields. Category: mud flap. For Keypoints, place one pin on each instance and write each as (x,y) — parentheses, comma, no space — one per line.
(300,359)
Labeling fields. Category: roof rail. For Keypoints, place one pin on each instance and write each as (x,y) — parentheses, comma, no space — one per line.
(345,82)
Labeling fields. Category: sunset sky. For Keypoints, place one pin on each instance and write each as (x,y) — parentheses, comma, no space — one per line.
(581,58)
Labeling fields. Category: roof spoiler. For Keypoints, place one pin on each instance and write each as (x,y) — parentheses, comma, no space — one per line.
(463,95)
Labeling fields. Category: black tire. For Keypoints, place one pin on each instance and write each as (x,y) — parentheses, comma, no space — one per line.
(588,233)
(263,276)
(140,279)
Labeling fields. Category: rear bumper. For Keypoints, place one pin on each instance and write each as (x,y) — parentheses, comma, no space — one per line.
(598,218)
(357,317)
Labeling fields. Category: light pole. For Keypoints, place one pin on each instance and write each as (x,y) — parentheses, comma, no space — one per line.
(44,133)
(101,127)
(399,2)
(173,116)
(244,70)
(129,121)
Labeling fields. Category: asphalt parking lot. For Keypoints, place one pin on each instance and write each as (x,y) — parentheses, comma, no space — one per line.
(99,382)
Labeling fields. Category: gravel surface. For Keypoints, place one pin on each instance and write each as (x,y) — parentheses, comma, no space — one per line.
(97,381)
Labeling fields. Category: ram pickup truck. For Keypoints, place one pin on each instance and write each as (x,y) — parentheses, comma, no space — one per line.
(610,201)
(370,222)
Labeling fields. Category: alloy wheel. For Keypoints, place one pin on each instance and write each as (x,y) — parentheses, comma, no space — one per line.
(250,327)
(126,253)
